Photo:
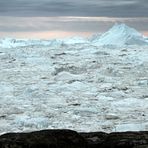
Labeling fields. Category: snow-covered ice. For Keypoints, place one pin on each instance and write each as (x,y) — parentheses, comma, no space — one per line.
(75,85)
(120,34)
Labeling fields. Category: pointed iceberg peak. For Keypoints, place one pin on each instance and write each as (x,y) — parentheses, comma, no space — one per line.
(121,25)
(121,34)
(123,28)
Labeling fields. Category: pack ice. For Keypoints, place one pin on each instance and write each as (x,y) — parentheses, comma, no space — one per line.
(81,84)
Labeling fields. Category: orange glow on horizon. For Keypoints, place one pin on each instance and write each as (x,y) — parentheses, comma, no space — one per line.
(50,34)
(45,35)
(145,33)
(54,27)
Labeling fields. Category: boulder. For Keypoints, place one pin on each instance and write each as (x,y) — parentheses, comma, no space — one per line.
(116,140)
(94,139)
(72,139)
(125,140)
(43,139)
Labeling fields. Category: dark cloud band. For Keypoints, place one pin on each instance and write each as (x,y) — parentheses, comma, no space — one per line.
(108,8)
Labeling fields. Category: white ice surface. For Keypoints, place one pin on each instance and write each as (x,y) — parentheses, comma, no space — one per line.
(76,86)
(119,35)
(13,43)
(82,88)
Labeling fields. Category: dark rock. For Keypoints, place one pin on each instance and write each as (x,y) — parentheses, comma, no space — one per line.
(94,139)
(141,146)
(72,139)
(125,140)
(43,139)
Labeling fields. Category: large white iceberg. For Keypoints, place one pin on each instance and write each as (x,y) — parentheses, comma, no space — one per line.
(121,34)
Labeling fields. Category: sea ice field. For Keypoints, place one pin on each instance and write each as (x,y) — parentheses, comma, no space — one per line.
(95,84)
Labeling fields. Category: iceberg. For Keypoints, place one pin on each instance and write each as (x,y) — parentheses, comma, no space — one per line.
(119,35)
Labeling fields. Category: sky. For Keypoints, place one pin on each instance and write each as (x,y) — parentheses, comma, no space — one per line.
(64,18)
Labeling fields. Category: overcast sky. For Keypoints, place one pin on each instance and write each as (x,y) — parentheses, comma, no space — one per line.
(109,8)
(22,16)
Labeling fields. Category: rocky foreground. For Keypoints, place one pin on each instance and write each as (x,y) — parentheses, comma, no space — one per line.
(72,139)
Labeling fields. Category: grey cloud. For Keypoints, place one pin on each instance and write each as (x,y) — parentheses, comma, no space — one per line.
(109,8)
(27,24)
